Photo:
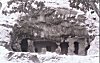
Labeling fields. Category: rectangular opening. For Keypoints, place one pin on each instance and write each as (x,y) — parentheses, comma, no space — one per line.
(76,46)
(36,50)
(48,48)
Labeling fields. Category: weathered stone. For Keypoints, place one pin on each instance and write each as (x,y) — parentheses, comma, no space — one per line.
(10,54)
(49,26)
(34,59)
(71,46)
(43,50)
(58,50)
(30,46)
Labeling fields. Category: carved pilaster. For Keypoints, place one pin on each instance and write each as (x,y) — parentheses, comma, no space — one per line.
(31,47)
(71,46)
(58,49)
(81,50)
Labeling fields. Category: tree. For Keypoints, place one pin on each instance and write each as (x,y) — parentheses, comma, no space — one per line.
(87,4)
(43,20)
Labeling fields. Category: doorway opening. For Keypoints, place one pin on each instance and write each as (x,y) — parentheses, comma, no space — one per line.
(64,48)
(76,46)
(48,48)
(24,45)
(36,50)
(49,45)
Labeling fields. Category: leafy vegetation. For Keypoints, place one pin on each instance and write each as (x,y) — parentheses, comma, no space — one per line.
(37,18)
(86,5)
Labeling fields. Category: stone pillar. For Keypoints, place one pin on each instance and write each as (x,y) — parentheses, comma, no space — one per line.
(31,47)
(71,49)
(81,50)
(43,50)
(16,47)
(71,46)
(19,46)
(58,49)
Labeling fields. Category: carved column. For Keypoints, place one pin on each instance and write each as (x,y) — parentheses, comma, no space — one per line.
(71,46)
(30,46)
(58,49)
(81,50)
(71,49)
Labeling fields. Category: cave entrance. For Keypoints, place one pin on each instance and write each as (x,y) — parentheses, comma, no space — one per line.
(49,45)
(64,48)
(24,45)
(76,46)
(48,48)
(36,50)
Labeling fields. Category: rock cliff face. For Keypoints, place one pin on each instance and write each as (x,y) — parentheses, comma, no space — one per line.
(50,25)
(45,23)
(7,21)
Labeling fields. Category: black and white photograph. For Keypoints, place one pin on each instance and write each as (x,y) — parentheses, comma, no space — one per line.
(49,31)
